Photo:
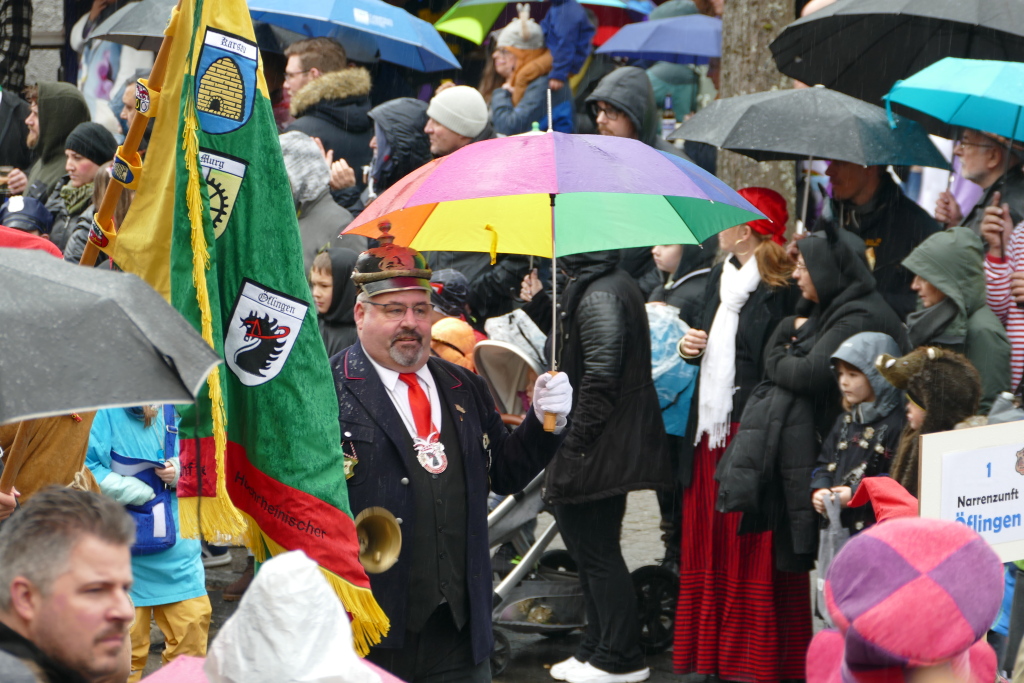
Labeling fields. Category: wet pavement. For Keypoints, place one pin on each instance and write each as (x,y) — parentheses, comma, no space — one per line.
(531,654)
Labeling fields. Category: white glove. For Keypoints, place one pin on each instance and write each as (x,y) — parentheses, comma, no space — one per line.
(126,490)
(553,394)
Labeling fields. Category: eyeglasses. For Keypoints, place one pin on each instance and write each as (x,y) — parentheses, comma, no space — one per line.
(965,143)
(396,311)
(610,112)
(800,265)
(292,75)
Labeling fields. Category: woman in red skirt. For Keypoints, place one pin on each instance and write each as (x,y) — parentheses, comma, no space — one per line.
(739,618)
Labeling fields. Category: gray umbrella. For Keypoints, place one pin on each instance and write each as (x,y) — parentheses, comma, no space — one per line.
(76,339)
(141,25)
(810,122)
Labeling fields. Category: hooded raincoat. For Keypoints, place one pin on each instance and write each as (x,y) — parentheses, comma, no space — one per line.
(953,262)
(61,108)
(338,324)
(401,122)
(865,438)
(629,90)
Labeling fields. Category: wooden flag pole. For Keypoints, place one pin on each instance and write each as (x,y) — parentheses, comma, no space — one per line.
(130,148)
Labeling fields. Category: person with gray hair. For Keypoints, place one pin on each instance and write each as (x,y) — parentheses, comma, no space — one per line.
(320,218)
(65,571)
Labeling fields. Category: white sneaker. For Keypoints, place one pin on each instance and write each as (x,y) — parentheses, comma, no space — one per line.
(587,673)
(561,670)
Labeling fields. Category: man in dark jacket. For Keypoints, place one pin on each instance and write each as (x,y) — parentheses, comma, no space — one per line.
(425,441)
(867,202)
(330,100)
(616,444)
(623,105)
(55,110)
(993,163)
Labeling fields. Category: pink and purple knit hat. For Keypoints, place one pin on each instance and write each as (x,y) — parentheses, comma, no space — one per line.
(909,593)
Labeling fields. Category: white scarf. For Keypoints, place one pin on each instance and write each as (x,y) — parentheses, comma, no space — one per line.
(718,371)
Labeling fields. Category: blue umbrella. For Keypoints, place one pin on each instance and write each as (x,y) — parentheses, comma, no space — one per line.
(983,94)
(367,28)
(691,39)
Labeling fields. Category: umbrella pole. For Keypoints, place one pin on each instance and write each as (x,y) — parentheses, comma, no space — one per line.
(1006,165)
(802,227)
(127,151)
(551,419)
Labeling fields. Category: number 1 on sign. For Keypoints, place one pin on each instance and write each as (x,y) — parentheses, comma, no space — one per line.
(989,467)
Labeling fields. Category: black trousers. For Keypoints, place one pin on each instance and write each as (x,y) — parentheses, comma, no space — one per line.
(440,653)
(591,533)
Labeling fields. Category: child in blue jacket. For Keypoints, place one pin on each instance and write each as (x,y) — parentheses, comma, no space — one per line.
(568,34)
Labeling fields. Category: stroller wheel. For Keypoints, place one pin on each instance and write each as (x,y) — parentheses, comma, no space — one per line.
(657,591)
(557,560)
(502,654)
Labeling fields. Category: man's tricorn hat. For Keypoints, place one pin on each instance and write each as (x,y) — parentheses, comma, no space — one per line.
(390,268)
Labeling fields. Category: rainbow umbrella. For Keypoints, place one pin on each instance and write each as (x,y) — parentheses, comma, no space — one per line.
(508,195)
(554,194)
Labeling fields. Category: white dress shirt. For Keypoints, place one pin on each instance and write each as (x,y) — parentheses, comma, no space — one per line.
(398,391)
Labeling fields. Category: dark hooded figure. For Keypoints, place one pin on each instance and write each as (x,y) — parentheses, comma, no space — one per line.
(839,288)
(615,444)
(338,323)
(399,145)
(629,90)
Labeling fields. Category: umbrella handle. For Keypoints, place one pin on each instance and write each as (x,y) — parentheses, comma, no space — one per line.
(550,419)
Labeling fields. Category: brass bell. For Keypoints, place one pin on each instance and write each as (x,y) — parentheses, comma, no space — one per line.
(380,539)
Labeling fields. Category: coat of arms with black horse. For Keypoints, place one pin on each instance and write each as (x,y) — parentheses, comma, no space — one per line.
(263,328)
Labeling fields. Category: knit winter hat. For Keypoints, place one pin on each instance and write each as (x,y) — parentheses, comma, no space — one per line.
(92,141)
(451,292)
(771,204)
(909,593)
(308,172)
(522,33)
(460,109)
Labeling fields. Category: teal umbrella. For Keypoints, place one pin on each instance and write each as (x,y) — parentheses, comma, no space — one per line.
(983,94)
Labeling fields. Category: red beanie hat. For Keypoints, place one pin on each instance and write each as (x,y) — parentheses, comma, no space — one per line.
(771,204)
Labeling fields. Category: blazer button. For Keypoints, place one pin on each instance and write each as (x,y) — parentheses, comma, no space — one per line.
(405,481)
(348,434)
(398,520)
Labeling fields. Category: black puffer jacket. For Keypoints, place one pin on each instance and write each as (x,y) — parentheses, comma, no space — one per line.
(891,225)
(616,442)
(335,108)
(848,303)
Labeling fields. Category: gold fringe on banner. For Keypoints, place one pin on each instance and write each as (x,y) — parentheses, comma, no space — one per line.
(219,517)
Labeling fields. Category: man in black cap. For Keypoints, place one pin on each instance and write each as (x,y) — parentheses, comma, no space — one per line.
(87,148)
(423,439)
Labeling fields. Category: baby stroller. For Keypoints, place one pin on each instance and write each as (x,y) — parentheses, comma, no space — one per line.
(540,592)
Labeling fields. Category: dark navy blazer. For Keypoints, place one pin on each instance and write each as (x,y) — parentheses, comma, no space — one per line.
(373,431)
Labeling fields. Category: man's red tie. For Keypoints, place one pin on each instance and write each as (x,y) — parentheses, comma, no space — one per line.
(419,403)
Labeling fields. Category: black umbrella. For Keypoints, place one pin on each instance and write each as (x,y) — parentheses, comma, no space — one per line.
(810,123)
(76,339)
(862,47)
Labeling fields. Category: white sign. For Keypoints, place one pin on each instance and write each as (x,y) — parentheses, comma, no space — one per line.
(975,477)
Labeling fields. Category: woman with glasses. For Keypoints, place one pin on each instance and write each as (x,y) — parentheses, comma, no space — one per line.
(525,63)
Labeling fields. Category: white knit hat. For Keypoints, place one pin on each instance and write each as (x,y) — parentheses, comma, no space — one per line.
(460,109)
(522,32)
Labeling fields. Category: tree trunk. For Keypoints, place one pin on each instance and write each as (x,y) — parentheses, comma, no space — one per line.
(748,27)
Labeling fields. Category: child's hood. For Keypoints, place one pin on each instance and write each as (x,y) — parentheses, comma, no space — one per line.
(860,351)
